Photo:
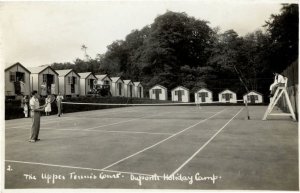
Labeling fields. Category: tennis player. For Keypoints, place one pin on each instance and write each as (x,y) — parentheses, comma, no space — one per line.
(36,116)
(59,99)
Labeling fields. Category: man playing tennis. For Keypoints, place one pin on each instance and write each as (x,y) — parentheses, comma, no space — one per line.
(36,116)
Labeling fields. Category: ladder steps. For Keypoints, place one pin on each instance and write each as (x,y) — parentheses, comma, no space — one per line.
(281,114)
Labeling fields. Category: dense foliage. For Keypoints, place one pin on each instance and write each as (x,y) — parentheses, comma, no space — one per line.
(177,49)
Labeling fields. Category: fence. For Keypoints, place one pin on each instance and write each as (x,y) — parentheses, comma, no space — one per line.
(291,72)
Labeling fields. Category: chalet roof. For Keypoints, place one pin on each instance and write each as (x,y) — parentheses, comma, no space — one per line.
(37,70)
(203,88)
(115,79)
(225,90)
(84,75)
(16,65)
(127,81)
(159,86)
(137,83)
(66,72)
(102,76)
(180,87)
(253,91)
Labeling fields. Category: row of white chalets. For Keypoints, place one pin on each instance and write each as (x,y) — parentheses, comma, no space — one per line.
(203,95)
(45,80)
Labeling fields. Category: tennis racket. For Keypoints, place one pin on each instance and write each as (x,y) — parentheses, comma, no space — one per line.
(49,99)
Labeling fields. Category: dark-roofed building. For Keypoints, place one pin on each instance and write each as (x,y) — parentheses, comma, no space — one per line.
(87,82)
(68,82)
(17,81)
(44,80)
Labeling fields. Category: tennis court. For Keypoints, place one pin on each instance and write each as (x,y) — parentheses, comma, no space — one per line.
(174,147)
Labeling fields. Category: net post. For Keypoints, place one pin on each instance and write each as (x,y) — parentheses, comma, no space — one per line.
(247,110)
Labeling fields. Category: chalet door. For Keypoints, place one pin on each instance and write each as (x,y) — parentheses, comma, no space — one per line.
(203,99)
(91,84)
(180,95)
(140,92)
(252,99)
(157,92)
(227,97)
(50,80)
(130,90)
(120,89)
(73,84)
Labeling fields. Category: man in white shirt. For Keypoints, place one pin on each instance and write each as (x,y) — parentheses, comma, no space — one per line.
(35,113)
(279,80)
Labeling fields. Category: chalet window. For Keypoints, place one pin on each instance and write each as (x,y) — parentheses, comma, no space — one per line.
(88,80)
(255,97)
(223,96)
(176,92)
(44,77)
(230,96)
(12,76)
(106,82)
(69,80)
(182,92)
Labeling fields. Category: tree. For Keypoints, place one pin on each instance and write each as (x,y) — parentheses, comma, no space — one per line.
(283,29)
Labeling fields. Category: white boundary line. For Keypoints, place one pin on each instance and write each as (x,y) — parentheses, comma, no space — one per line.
(125,121)
(203,146)
(75,167)
(104,131)
(149,147)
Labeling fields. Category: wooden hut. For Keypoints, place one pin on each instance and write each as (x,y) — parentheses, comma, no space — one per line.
(203,95)
(158,92)
(44,80)
(128,88)
(138,90)
(17,81)
(227,96)
(87,80)
(253,97)
(69,82)
(180,94)
(117,86)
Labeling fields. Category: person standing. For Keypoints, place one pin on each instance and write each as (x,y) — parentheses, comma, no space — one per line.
(25,106)
(35,113)
(278,80)
(59,99)
(48,105)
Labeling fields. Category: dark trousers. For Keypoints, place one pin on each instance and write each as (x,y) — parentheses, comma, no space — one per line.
(35,129)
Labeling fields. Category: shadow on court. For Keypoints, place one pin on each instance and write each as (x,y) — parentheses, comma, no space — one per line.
(176,147)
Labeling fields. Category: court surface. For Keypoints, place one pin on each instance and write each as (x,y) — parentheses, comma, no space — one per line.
(175,147)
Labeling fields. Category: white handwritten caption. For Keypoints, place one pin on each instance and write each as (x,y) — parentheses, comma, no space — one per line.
(53,178)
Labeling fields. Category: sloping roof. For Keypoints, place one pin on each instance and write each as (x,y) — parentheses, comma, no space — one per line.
(37,70)
(203,88)
(85,74)
(137,83)
(16,65)
(115,79)
(180,87)
(228,90)
(102,76)
(63,72)
(127,81)
(253,91)
(66,72)
(159,86)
